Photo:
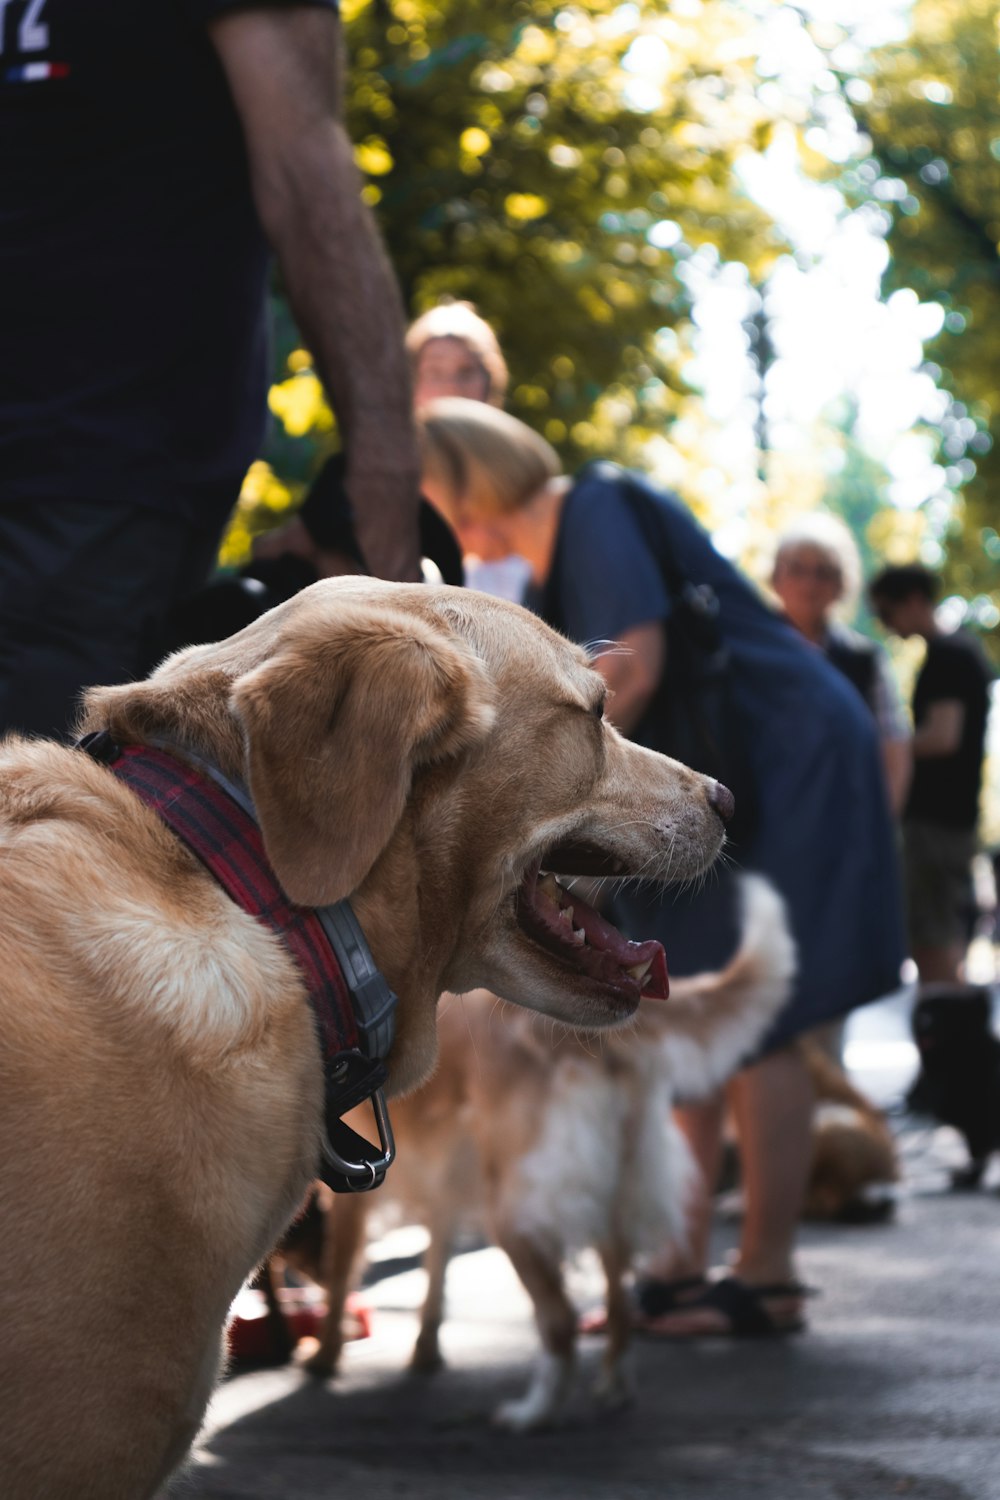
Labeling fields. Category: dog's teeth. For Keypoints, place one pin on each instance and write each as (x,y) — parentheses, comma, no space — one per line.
(548,887)
(639,971)
(566,915)
(579,936)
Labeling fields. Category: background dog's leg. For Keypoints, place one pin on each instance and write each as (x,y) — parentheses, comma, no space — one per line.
(612,1387)
(427,1350)
(343,1237)
(279,1343)
(556,1320)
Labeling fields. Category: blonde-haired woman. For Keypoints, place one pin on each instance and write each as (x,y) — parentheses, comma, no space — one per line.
(817,576)
(454,352)
(601,548)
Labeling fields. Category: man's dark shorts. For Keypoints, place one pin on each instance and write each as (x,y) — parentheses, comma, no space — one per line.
(936,865)
(83,591)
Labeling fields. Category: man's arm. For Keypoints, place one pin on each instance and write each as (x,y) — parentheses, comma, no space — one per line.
(894,734)
(940,731)
(897,763)
(284,70)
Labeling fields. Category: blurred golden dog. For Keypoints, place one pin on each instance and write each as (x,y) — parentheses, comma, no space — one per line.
(557,1142)
(425,751)
(854,1152)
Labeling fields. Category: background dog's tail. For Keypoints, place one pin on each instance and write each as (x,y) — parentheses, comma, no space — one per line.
(713,1021)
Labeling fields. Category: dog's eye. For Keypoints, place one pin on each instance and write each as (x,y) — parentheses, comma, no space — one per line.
(598,709)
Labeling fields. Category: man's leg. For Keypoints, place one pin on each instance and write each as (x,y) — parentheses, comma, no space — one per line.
(937,861)
(83,589)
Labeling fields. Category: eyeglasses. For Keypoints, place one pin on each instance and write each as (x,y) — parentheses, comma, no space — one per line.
(822,572)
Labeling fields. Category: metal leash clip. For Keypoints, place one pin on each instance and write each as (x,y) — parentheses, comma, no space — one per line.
(350,1163)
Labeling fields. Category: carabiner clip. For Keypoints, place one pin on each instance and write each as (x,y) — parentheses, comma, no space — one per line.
(370,1165)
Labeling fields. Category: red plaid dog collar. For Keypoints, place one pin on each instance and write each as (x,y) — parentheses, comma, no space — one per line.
(352,1004)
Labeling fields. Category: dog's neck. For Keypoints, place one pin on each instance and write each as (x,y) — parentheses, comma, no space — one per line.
(411,945)
(413,954)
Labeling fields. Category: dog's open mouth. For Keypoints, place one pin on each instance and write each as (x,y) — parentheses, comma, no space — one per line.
(564,925)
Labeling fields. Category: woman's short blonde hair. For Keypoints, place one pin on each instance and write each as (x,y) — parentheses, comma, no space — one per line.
(821,531)
(489,461)
(461,321)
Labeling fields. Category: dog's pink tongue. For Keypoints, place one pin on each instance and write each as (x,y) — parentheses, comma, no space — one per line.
(601,935)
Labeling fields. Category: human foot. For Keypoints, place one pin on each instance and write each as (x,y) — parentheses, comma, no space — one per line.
(731,1308)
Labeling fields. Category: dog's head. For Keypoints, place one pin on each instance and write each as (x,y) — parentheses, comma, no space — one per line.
(435,754)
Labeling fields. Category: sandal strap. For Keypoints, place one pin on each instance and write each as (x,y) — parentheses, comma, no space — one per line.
(744,1306)
(779,1288)
(654,1297)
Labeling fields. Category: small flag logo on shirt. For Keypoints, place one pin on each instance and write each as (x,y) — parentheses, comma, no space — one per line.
(36,72)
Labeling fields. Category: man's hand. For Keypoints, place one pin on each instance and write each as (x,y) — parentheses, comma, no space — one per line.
(283,68)
(383,505)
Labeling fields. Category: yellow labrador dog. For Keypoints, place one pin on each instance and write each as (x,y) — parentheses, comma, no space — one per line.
(426,752)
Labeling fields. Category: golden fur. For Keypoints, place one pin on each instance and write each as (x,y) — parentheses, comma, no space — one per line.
(414,748)
(555,1142)
(854,1151)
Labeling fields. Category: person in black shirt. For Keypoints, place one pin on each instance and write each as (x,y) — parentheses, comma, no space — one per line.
(152,157)
(950,708)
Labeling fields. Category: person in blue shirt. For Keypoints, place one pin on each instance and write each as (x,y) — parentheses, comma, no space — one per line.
(821,830)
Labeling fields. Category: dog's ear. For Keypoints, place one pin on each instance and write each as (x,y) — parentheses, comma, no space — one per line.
(335,730)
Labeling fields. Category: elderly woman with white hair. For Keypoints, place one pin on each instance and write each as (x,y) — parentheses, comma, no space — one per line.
(817,577)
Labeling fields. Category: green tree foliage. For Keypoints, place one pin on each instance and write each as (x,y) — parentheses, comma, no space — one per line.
(558,166)
(932,110)
(555,165)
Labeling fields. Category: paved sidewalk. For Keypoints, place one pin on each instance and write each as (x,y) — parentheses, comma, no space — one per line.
(894,1391)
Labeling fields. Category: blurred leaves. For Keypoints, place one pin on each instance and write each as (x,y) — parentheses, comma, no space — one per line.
(931,106)
(535,150)
(568,168)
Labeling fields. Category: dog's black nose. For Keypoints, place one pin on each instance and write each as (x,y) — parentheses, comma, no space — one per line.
(722,799)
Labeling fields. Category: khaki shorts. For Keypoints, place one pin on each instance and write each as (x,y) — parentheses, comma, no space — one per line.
(937,870)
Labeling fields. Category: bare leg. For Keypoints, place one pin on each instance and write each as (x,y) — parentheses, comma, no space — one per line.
(772,1103)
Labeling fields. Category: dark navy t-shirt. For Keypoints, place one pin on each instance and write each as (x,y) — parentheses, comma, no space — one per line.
(945,788)
(132,264)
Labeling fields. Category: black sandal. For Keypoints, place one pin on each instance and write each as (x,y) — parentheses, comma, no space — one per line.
(743,1306)
(654,1298)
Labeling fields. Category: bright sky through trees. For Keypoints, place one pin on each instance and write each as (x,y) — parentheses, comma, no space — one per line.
(835,342)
